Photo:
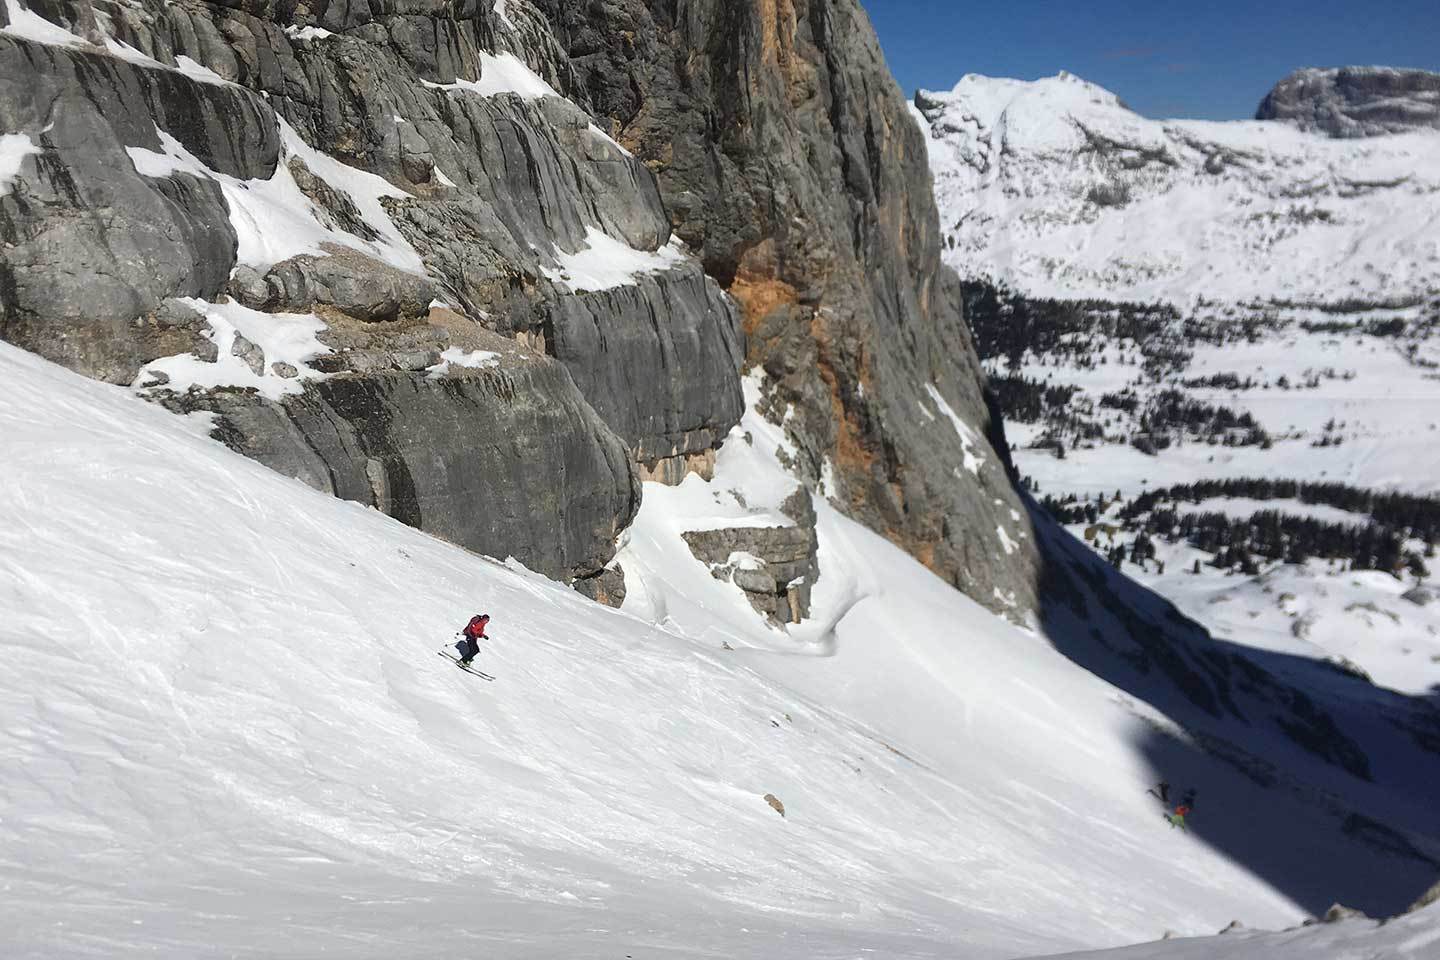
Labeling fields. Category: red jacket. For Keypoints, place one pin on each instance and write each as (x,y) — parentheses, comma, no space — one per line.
(475,629)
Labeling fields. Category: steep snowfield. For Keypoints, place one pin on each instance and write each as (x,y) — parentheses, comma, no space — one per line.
(226,731)
(1055,188)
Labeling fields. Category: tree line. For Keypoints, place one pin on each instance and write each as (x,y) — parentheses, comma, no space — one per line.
(1416,516)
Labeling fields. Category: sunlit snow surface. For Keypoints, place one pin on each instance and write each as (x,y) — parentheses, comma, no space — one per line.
(502,73)
(606,263)
(226,731)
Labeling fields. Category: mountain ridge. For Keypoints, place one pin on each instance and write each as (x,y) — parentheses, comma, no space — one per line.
(1053,188)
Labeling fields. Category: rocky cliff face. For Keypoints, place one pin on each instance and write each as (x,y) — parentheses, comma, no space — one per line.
(1356,101)
(788,162)
(316,222)
(317,219)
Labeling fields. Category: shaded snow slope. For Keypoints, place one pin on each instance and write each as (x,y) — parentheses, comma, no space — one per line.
(226,729)
(1413,937)
(1055,188)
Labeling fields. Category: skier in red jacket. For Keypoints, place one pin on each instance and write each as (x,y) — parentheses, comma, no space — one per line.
(474,632)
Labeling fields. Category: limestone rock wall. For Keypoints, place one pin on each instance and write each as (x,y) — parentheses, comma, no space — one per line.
(429,149)
(788,160)
(652,196)
(509,460)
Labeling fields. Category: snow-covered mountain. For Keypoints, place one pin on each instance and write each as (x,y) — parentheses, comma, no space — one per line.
(1251,305)
(1054,188)
(226,731)
(463,276)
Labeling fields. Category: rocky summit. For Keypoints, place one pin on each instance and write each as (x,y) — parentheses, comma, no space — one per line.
(485,267)
(1356,101)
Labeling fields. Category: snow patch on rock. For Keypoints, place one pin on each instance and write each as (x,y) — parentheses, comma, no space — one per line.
(969,440)
(606,263)
(283,339)
(14,148)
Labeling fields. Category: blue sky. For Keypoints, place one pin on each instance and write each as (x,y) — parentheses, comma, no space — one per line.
(1165,59)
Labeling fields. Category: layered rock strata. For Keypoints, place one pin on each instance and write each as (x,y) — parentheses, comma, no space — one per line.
(359,166)
(775,567)
(789,162)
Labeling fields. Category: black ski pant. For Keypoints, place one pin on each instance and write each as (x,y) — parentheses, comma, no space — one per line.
(471,648)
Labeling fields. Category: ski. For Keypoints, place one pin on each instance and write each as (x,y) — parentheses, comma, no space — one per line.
(471,670)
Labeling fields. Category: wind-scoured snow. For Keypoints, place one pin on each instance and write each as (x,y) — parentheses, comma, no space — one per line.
(28,25)
(227,730)
(1054,188)
(606,263)
(285,338)
(502,73)
(14,148)
(273,219)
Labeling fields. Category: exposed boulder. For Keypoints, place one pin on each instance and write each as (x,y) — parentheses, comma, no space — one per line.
(1338,912)
(775,567)
(1356,101)
(607,586)
(1421,595)
(345,280)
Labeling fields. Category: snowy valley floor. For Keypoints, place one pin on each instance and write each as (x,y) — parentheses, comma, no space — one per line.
(1364,411)
(224,731)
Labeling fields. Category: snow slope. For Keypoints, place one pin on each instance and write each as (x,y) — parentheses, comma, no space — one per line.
(1413,937)
(226,731)
(1054,188)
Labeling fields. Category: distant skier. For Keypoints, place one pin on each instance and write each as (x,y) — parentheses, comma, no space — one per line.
(1177,819)
(473,633)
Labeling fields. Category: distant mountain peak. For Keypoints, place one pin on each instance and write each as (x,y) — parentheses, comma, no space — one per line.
(1056,188)
(1349,102)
